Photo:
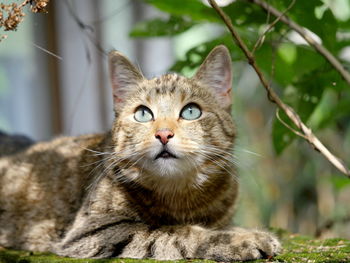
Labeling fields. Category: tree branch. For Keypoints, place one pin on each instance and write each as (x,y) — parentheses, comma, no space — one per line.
(303,33)
(262,37)
(273,97)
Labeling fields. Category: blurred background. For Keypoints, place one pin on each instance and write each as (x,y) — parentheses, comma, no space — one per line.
(54,81)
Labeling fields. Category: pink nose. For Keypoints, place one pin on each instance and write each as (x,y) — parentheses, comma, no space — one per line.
(164,135)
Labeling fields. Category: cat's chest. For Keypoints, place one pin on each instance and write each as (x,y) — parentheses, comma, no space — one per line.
(205,206)
(187,208)
(177,210)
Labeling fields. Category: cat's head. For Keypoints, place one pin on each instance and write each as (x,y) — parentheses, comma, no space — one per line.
(173,126)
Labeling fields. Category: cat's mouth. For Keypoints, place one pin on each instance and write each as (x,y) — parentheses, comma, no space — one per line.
(165,154)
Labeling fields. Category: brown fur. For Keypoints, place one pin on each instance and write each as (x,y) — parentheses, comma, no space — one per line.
(107,195)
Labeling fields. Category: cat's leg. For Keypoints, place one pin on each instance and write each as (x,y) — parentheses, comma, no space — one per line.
(129,239)
(192,242)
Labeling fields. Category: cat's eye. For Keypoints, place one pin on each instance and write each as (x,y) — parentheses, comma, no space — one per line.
(191,112)
(143,114)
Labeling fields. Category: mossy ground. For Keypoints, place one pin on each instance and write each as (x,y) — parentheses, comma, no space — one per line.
(296,248)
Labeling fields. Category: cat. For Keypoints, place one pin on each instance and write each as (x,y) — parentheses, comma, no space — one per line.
(11,144)
(161,184)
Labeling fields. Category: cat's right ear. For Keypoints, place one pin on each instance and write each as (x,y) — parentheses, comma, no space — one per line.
(124,76)
(216,73)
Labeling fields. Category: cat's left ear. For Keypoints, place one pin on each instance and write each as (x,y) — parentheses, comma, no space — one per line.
(124,77)
(216,73)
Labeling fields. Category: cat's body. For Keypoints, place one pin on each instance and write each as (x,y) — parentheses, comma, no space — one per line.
(11,144)
(161,184)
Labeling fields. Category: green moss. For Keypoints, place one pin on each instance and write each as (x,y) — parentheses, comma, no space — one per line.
(296,248)
(18,256)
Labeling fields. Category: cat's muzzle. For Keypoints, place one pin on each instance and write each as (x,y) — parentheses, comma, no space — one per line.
(166,154)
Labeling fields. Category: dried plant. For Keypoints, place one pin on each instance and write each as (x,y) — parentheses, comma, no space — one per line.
(11,15)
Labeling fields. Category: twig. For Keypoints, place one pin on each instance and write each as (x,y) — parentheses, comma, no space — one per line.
(46,51)
(87,29)
(273,97)
(262,36)
(303,33)
(288,126)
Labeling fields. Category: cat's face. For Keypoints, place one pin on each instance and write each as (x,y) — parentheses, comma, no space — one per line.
(172,125)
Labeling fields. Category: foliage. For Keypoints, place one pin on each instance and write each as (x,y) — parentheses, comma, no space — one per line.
(162,27)
(296,71)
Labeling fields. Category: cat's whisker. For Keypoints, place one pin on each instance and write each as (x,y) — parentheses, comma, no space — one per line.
(220,153)
(94,151)
(212,151)
(112,157)
(217,149)
(98,161)
(196,147)
(244,150)
(223,165)
(118,160)
(192,161)
(237,161)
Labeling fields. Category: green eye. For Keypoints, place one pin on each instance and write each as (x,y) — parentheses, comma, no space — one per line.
(191,112)
(143,114)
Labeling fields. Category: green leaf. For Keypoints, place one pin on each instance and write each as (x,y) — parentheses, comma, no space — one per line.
(288,52)
(331,109)
(158,27)
(192,8)
(241,12)
(324,113)
(340,182)
(304,96)
(244,13)
(327,32)
(283,73)
(194,57)
(310,90)
(281,135)
(304,13)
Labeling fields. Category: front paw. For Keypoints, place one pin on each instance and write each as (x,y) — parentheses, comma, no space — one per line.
(239,246)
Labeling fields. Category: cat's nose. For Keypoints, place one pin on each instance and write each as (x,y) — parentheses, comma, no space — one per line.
(164,135)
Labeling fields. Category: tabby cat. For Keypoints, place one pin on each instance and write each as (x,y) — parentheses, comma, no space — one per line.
(161,184)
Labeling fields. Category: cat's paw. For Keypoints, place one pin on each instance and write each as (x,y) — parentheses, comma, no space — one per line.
(239,246)
(255,245)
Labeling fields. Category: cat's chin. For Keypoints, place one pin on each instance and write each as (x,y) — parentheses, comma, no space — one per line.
(169,166)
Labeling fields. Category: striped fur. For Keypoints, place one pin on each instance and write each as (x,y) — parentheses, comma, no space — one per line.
(107,195)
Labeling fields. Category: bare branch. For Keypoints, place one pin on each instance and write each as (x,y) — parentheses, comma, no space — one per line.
(303,33)
(262,36)
(273,97)
(288,126)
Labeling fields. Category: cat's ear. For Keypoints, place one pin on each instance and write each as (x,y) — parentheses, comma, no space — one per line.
(216,73)
(124,76)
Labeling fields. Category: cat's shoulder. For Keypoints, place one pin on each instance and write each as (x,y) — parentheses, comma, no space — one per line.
(63,146)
